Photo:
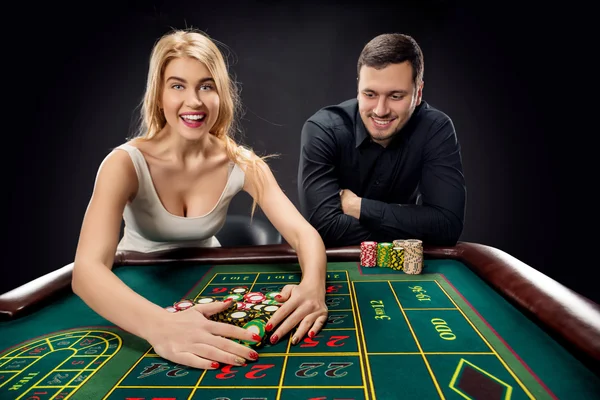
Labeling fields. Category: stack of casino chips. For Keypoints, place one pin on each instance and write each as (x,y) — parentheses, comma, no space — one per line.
(413,255)
(401,254)
(383,254)
(249,310)
(368,254)
(396,258)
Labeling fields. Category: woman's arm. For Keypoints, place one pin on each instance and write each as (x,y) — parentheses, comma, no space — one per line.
(187,337)
(93,279)
(305,303)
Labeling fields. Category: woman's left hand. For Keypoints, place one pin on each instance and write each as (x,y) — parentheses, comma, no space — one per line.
(303,306)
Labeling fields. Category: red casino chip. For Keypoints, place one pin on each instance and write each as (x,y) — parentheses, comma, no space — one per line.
(254,297)
(183,305)
(368,254)
(242,305)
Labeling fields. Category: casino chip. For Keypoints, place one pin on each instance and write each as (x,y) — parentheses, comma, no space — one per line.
(241,290)
(241,305)
(413,255)
(272,295)
(257,307)
(234,296)
(238,317)
(397,258)
(254,297)
(368,254)
(249,310)
(222,316)
(183,304)
(257,326)
(383,254)
(206,300)
(270,310)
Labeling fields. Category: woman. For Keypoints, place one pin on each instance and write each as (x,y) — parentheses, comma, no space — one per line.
(172,186)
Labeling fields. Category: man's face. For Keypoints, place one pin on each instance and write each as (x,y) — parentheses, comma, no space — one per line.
(386,99)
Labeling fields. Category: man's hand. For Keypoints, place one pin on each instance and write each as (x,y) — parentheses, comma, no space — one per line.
(350,203)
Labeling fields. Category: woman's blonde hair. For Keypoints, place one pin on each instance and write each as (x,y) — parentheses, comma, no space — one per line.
(198,45)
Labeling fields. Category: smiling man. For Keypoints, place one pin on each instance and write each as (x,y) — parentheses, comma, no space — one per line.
(385,165)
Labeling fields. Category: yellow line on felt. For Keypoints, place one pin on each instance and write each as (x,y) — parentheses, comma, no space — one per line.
(361,333)
(489,345)
(437,386)
(285,359)
(127,373)
(434,353)
(239,387)
(59,365)
(45,376)
(93,371)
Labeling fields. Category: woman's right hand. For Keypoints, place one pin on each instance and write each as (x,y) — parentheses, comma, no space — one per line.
(190,338)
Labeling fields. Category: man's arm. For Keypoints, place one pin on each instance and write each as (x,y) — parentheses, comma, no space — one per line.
(319,188)
(440,218)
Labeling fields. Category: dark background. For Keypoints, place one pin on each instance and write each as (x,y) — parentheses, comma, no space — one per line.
(78,72)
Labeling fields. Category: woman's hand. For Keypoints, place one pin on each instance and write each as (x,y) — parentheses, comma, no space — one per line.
(190,338)
(303,304)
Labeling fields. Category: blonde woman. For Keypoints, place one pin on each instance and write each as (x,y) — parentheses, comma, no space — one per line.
(172,185)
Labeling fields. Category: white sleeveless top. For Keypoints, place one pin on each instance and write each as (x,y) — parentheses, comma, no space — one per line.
(150,227)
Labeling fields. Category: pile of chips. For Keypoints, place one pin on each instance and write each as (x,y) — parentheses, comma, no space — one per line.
(413,255)
(249,310)
(368,254)
(400,255)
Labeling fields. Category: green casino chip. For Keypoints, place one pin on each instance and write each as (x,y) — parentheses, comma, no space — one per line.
(255,326)
(234,296)
(272,295)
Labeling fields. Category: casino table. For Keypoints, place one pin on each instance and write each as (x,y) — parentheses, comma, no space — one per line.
(477,323)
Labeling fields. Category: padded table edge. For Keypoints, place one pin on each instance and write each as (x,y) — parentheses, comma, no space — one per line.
(564,312)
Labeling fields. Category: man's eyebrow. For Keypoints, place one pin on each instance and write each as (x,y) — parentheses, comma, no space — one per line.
(400,91)
(176,78)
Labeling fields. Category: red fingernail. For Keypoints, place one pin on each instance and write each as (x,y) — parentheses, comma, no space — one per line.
(227,299)
(311,334)
(255,337)
(274,339)
(253,355)
(268,327)
(215,365)
(278,296)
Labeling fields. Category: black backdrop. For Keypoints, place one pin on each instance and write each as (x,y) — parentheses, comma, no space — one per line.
(77,74)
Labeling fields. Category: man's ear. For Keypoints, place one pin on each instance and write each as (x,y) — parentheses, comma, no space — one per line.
(420,92)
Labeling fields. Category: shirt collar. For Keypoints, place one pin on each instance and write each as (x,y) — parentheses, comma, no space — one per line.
(360,130)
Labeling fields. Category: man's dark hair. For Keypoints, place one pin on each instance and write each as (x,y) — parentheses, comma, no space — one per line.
(392,48)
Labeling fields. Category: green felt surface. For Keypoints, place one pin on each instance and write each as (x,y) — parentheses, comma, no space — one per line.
(441,334)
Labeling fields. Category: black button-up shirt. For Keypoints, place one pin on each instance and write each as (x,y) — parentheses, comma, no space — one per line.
(413,188)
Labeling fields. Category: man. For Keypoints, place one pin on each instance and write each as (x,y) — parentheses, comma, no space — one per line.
(385,165)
